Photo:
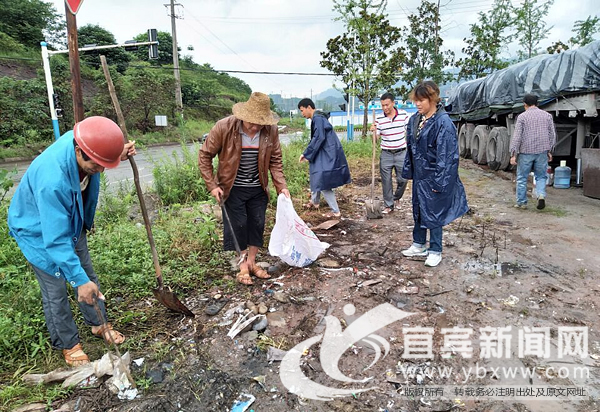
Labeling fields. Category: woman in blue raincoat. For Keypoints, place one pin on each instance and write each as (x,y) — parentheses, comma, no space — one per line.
(432,163)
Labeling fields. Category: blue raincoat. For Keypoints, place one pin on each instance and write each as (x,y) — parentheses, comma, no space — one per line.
(48,211)
(432,163)
(328,166)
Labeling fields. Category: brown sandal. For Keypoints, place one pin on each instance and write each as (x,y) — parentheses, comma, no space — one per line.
(104,332)
(259,272)
(75,356)
(244,278)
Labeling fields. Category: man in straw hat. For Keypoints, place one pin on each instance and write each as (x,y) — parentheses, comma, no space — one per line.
(247,144)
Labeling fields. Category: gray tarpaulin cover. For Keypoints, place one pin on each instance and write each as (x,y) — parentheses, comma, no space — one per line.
(548,76)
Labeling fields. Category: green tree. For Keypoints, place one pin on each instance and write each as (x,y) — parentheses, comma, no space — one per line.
(488,38)
(149,92)
(424,58)
(367,56)
(530,26)
(29,21)
(165,48)
(557,47)
(94,34)
(585,30)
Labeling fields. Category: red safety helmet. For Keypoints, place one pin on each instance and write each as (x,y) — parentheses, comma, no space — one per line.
(101,139)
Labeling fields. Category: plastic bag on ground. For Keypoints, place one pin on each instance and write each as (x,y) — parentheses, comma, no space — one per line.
(291,239)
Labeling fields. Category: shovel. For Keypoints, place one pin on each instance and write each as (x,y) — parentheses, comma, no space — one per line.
(373,206)
(164,296)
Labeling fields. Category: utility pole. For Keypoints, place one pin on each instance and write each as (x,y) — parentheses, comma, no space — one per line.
(437,23)
(74,65)
(178,99)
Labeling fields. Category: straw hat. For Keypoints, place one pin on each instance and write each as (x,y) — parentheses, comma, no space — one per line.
(256,110)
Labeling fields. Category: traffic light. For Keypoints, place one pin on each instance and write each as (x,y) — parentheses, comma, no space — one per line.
(130,48)
(153,49)
(57,110)
(343,107)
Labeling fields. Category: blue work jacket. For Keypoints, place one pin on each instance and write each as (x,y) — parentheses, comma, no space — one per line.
(328,166)
(47,212)
(432,163)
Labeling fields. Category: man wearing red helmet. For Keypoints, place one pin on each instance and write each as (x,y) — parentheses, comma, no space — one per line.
(50,212)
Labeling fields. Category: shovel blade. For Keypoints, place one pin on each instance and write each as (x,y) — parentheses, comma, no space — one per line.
(374,209)
(170,300)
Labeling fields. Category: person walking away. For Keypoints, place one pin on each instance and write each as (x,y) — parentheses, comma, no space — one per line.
(247,144)
(391,128)
(49,216)
(531,148)
(438,195)
(327,162)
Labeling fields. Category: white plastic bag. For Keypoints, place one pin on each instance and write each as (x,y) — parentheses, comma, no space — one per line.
(291,239)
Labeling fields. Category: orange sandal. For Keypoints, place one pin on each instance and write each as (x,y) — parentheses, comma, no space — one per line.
(259,272)
(244,278)
(75,356)
(104,332)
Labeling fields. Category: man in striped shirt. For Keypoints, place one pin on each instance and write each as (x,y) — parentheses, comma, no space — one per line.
(391,128)
(533,140)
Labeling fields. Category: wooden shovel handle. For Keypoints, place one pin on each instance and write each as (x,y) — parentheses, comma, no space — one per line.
(136,175)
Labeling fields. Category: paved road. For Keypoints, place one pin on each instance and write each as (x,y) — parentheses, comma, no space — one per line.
(123,172)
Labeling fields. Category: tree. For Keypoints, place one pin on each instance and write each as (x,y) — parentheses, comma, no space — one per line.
(584,31)
(488,38)
(94,34)
(26,21)
(557,47)
(165,48)
(367,56)
(424,60)
(531,27)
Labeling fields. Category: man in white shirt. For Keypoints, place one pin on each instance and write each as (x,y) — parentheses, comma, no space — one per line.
(390,126)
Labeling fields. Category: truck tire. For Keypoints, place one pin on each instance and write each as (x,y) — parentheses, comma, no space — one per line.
(464,140)
(497,148)
(479,144)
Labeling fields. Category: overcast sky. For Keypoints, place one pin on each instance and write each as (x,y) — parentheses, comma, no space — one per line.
(286,35)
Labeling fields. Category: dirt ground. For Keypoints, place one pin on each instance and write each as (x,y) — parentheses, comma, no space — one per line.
(501,267)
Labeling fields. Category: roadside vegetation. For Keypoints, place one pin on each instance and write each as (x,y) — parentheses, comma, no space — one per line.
(187,238)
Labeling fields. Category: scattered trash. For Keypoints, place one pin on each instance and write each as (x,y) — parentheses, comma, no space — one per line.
(32,407)
(241,324)
(408,290)
(369,282)
(261,381)
(243,402)
(510,301)
(275,355)
(216,306)
(139,361)
(326,225)
(328,263)
(107,365)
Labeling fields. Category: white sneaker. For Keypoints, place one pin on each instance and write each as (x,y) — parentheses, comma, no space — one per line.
(433,259)
(415,251)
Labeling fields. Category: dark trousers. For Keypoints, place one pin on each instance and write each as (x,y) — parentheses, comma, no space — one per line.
(55,300)
(246,207)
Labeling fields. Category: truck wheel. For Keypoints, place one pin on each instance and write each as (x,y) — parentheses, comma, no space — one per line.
(479,144)
(497,148)
(464,139)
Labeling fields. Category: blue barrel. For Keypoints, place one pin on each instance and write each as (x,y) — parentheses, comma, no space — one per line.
(562,176)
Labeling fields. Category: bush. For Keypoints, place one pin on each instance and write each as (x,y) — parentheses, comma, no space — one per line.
(178,180)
